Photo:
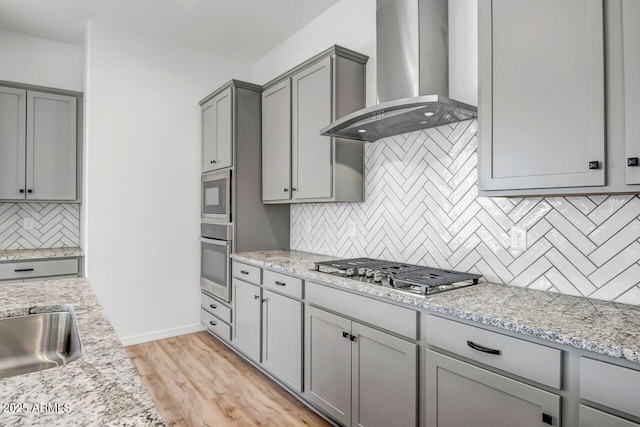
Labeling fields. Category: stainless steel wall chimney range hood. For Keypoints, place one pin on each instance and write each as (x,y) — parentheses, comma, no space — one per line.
(412,74)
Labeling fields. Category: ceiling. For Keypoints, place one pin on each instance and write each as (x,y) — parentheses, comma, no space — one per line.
(241,29)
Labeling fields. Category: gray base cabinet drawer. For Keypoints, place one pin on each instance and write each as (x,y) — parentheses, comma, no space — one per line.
(610,385)
(522,358)
(216,308)
(402,321)
(215,325)
(282,283)
(39,268)
(590,417)
(246,272)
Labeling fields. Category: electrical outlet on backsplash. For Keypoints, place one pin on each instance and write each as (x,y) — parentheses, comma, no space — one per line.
(422,207)
(55,225)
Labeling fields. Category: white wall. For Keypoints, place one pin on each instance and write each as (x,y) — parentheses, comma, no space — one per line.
(349,23)
(141,206)
(41,62)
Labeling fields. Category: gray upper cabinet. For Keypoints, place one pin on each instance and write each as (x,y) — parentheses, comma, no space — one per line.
(460,394)
(13,107)
(631,71)
(51,146)
(282,338)
(38,146)
(276,143)
(217,132)
(542,95)
(312,152)
(246,318)
(299,164)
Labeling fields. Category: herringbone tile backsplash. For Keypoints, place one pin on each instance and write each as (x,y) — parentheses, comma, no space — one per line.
(56,225)
(422,207)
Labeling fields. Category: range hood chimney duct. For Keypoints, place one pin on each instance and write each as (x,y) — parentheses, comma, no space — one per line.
(412,74)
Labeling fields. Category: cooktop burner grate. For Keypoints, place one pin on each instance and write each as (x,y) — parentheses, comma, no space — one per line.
(413,278)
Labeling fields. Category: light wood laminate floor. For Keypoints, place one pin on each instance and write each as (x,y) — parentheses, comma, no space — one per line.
(195,380)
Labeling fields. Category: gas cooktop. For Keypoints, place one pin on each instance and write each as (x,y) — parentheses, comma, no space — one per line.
(415,279)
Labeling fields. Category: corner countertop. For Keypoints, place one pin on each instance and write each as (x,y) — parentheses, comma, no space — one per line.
(30,254)
(100,388)
(607,328)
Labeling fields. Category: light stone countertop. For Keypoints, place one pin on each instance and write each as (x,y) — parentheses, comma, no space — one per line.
(31,254)
(101,388)
(606,328)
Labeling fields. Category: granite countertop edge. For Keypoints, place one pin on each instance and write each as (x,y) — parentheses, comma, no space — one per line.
(41,253)
(433,304)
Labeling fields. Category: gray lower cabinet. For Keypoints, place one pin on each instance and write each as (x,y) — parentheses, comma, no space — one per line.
(461,394)
(542,104)
(282,338)
(299,164)
(631,71)
(38,145)
(217,132)
(590,417)
(328,363)
(384,374)
(246,318)
(359,375)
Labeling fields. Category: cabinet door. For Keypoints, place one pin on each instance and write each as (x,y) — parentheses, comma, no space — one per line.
(631,44)
(51,146)
(276,142)
(590,417)
(542,120)
(282,338)
(312,170)
(246,318)
(384,379)
(13,112)
(217,141)
(460,394)
(328,363)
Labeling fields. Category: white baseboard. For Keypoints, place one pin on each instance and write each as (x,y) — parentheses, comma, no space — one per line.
(158,335)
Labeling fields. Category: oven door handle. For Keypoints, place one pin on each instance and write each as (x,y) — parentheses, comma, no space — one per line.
(215,241)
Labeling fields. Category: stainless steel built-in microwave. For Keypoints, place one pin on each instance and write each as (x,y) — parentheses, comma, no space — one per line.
(216,196)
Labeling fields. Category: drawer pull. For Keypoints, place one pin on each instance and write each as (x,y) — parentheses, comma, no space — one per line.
(213,306)
(547,419)
(280,283)
(212,323)
(244,272)
(22,270)
(483,349)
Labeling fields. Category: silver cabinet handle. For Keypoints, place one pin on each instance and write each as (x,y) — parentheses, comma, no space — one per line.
(280,283)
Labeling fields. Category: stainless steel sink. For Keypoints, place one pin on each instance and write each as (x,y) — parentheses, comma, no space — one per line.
(37,342)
